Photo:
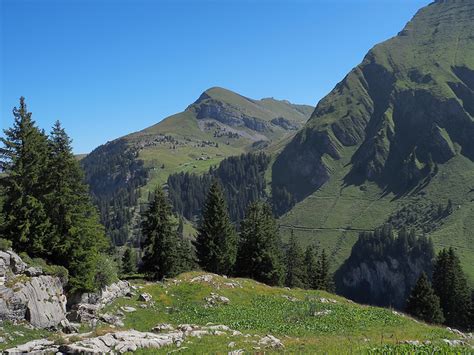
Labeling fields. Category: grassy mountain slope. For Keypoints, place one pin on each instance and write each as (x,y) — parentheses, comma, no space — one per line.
(395,134)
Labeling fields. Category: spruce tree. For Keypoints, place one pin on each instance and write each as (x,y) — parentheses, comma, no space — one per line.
(23,160)
(259,251)
(187,259)
(216,241)
(311,268)
(450,285)
(423,302)
(77,239)
(129,261)
(325,281)
(161,254)
(181,227)
(295,273)
(47,205)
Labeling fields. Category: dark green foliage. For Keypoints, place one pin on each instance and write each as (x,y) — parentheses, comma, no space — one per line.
(181,227)
(23,159)
(48,212)
(424,216)
(450,285)
(129,261)
(316,268)
(5,244)
(382,268)
(324,280)
(187,258)
(282,200)
(187,193)
(259,252)
(216,241)
(294,259)
(423,303)
(471,313)
(242,178)
(311,268)
(115,175)
(76,231)
(162,252)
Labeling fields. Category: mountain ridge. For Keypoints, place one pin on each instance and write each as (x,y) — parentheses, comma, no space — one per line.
(397,128)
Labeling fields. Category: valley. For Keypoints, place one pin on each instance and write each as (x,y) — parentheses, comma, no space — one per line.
(243,225)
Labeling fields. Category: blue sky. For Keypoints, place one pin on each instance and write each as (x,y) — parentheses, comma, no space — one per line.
(106,68)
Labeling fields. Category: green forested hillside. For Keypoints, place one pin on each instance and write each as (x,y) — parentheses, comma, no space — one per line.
(394,135)
(219,124)
(242,178)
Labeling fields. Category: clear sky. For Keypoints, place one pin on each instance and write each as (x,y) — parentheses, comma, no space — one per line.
(106,68)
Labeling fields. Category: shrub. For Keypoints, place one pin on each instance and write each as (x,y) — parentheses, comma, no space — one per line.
(5,244)
(106,271)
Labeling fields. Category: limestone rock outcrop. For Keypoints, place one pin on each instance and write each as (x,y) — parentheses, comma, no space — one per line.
(85,307)
(26,293)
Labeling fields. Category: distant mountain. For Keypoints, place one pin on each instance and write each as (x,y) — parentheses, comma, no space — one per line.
(393,141)
(219,124)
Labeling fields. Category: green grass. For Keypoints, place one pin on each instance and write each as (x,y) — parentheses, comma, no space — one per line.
(257,309)
(332,216)
(16,334)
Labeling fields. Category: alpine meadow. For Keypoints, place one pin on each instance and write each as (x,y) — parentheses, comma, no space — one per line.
(237,225)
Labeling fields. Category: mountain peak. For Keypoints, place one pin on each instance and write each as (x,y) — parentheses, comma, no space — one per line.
(219,94)
(403,109)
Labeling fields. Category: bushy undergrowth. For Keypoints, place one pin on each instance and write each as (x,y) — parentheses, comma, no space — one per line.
(5,244)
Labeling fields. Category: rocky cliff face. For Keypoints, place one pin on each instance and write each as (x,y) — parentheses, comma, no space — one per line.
(27,294)
(227,114)
(238,111)
(406,108)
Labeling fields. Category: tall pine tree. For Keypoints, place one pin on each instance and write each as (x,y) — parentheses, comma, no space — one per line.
(48,212)
(325,280)
(311,268)
(259,253)
(161,247)
(129,261)
(23,159)
(77,238)
(216,241)
(295,271)
(450,285)
(423,303)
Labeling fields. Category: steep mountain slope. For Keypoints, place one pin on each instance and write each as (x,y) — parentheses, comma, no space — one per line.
(397,133)
(219,124)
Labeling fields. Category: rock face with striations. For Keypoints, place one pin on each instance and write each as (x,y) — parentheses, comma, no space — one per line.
(27,294)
